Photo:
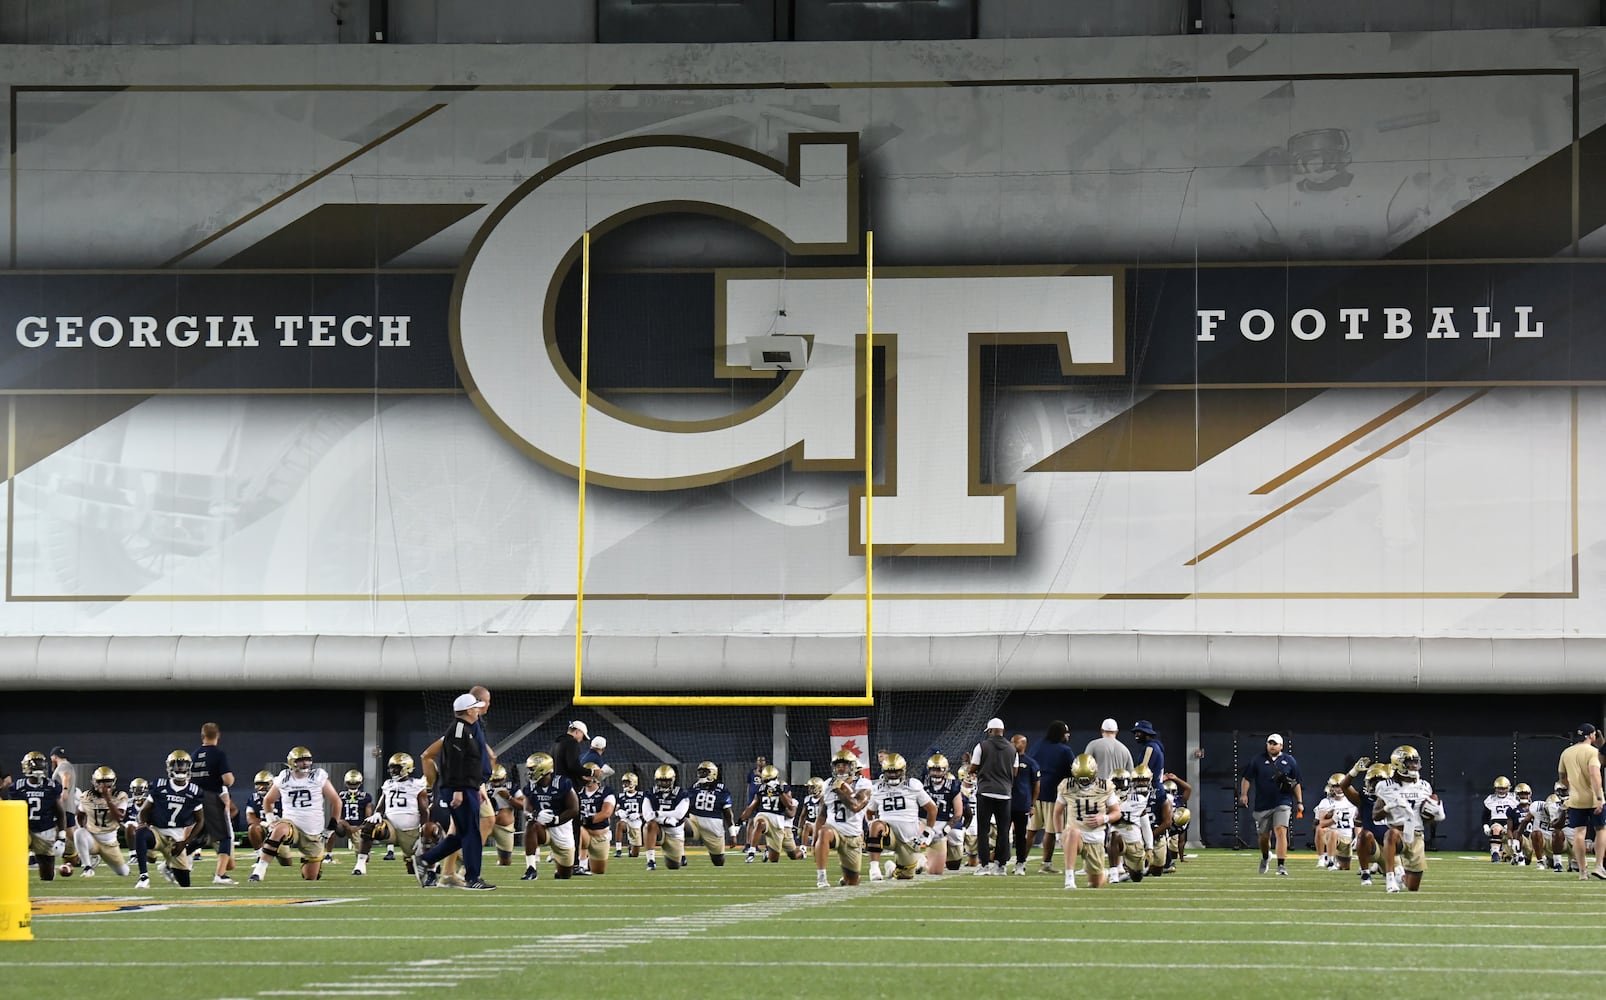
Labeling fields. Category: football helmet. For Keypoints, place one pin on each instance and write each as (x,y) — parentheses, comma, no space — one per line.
(35,767)
(707,773)
(967,777)
(1143,778)
(104,776)
(590,772)
(892,770)
(844,763)
(178,767)
(399,766)
(1502,785)
(139,790)
(354,779)
(1561,791)
(936,769)
(1172,788)
(1121,779)
(1407,763)
(629,782)
(816,787)
(299,760)
(663,779)
(1084,770)
(1334,780)
(382,830)
(1375,774)
(539,765)
(263,781)
(1523,792)
(769,776)
(498,776)
(1181,817)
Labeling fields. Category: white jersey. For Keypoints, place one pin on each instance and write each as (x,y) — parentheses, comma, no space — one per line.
(1550,814)
(1500,806)
(399,796)
(900,803)
(301,799)
(1343,812)
(1403,804)
(1135,809)
(840,813)
(98,816)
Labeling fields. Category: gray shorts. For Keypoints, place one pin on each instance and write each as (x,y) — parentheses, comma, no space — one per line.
(1267,820)
(215,817)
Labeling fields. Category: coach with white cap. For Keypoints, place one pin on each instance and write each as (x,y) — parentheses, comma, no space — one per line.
(1109,751)
(993,762)
(458,789)
(1274,775)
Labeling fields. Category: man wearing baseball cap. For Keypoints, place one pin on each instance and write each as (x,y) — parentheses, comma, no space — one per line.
(993,762)
(458,789)
(1579,770)
(1108,750)
(1275,777)
(568,752)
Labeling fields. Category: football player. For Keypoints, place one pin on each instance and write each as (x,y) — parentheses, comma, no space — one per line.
(710,815)
(1132,828)
(1497,808)
(1159,819)
(398,815)
(101,811)
(258,820)
(808,813)
(1359,786)
(1176,792)
(501,791)
(1407,802)
(946,850)
(550,805)
(665,816)
(903,816)
(1323,831)
(356,805)
(296,793)
(967,798)
(628,806)
(1548,837)
(841,821)
(170,822)
(1083,810)
(767,818)
(47,832)
(139,793)
(596,817)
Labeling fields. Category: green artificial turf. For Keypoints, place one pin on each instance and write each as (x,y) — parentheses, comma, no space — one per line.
(1213,929)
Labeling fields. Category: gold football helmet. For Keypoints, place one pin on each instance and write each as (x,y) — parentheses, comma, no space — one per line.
(936,769)
(1084,770)
(1502,785)
(967,776)
(629,782)
(35,767)
(103,776)
(498,775)
(353,779)
(663,779)
(382,830)
(893,769)
(399,766)
(707,772)
(263,781)
(816,787)
(844,763)
(590,772)
(1561,791)
(139,790)
(178,766)
(1407,763)
(1171,787)
(1181,817)
(769,775)
(1121,779)
(1374,775)
(299,760)
(1143,778)
(539,765)
(1524,793)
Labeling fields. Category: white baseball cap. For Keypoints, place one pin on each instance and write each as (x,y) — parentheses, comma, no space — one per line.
(995,723)
(465,702)
(1109,726)
(600,743)
(1275,738)
(577,724)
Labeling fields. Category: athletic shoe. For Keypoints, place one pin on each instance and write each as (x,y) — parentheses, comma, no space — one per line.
(1597,872)
(652,866)
(167,873)
(685,862)
(1070,884)
(751,857)
(254,877)
(358,871)
(889,868)
(1047,869)
(87,872)
(1265,865)
(223,880)
(580,873)
(143,883)
(1366,878)
(821,883)
(530,875)
(1020,868)
(478,885)
(390,854)
(988,870)
(1282,870)
(1494,857)
(425,874)
(618,852)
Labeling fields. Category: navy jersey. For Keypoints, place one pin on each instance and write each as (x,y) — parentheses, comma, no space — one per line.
(256,808)
(770,800)
(812,804)
(710,801)
(943,795)
(41,801)
(665,802)
(627,805)
(208,765)
(173,806)
(553,797)
(592,803)
(354,803)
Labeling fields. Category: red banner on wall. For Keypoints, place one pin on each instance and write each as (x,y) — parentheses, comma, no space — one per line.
(852,735)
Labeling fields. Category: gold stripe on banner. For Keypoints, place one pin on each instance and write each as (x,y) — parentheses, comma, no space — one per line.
(1339,445)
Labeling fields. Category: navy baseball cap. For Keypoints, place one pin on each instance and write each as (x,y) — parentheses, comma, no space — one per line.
(1584,729)
(58,751)
(1143,726)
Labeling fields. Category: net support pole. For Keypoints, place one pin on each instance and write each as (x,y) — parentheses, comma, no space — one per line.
(585,409)
(869,463)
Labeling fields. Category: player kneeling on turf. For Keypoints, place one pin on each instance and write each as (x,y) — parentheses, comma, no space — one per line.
(169,823)
(1083,810)
(298,795)
(766,818)
(841,822)
(101,809)
(398,815)
(904,814)
(550,805)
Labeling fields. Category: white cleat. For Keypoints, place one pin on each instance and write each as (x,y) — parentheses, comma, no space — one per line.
(144,882)
(87,872)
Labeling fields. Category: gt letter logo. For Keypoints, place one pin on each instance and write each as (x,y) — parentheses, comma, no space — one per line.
(932,322)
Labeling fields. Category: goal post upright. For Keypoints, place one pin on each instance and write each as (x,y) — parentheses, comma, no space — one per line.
(717,701)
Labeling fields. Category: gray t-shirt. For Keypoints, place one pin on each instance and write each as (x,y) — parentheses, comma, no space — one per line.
(994,759)
(1111,754)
